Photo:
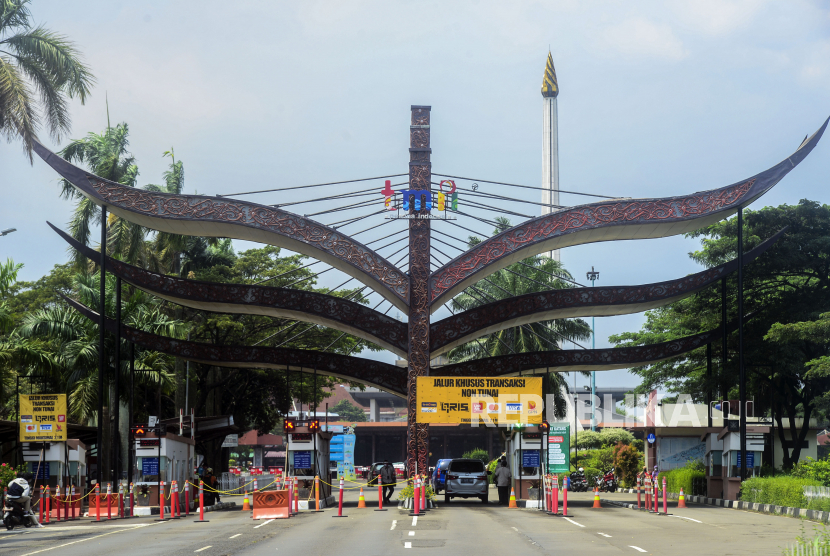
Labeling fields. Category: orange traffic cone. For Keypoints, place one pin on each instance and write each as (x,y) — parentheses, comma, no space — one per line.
(512,499)
(246,506)
(596,499)
(361,502)
(681,501)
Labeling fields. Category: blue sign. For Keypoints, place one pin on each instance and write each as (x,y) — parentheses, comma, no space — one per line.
(750,460)
(651,438)
(302,460)
(530,458)
(149,466)
(336,456)
(41,472)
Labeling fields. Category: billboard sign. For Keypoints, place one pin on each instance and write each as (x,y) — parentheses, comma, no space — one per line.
(559,448)
(43,417)
(475,400)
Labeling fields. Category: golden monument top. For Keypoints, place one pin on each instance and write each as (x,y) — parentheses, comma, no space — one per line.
(550,87)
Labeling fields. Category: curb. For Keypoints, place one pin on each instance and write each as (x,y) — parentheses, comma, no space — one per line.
(769,509)
(406,504)
(144,511)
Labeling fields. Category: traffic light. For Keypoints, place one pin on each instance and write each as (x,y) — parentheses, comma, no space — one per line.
(314,425)
(138,431)
(288,425)
(544,427)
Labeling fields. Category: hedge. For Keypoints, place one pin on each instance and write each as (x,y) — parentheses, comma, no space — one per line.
(782,491)
(682,477)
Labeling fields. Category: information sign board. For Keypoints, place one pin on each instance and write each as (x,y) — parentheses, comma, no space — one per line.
(559,448)
(530,458)
(149,466)
(479,400)
(43,417)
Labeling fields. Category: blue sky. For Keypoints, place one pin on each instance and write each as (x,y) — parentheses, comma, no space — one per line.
(657,99)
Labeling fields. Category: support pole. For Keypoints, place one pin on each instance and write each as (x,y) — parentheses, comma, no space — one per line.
(420,179)
(130,441)
(101,356)
(709,383)
(116,404)
(741,369)
(724,356)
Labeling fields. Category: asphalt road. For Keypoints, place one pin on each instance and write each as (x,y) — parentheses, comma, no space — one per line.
(462,527)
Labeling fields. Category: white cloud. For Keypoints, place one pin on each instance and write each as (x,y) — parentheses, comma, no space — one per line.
(639,37)
(718,17)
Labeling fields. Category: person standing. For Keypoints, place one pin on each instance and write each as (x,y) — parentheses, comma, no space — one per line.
(389,480)
(502,479)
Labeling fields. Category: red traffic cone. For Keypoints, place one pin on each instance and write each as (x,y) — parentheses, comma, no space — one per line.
(361,502)
(596,499)
(681,501)
(512,499)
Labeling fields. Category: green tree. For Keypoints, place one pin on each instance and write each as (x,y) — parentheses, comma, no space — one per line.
(349,412)
(789,284)
(39,71)
(534,274)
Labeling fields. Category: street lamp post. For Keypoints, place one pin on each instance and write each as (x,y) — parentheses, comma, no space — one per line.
(593,275)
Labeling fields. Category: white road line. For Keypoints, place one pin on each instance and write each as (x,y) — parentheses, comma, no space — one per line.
(604,535)
(236,535)
(205,548)
(407,545)
(637,548)
(394,524)
(90,538)
(263,523)
(415,521)
(689,518)
(574,522)
(515,529)
(412,533)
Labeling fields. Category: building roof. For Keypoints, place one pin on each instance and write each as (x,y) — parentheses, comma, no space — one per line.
(253,438)
(550,86)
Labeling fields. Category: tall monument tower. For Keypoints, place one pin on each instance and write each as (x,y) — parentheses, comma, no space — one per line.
(550,144)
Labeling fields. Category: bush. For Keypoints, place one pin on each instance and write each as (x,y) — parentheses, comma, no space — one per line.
(782,491)
(627,461)
(682,477)
(491,467)
(612,437)
(586,440)
(479,454)
(639,445)
(9,473)
(409,489)
(599,459)
(817,470)
(591,475)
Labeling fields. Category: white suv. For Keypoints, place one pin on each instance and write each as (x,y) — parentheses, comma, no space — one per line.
(466,478)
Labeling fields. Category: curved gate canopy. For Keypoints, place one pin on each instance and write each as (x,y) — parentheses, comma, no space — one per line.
(607,221)
(198,215)
(326,310)
(576,302)
(383,376)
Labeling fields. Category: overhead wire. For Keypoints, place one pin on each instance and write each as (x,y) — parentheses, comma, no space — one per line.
(527,186)
(307,186)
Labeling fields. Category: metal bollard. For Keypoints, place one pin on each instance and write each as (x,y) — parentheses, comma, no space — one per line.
(132,500)
(639,501)
(161,503)
(424,494)
(416,497)
(380,496)
(656,497)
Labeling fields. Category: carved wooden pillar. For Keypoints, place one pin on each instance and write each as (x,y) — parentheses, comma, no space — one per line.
(420,178)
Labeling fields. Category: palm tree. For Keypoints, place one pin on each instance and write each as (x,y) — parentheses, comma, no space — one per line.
(36,62)
(105,155)
(534,274)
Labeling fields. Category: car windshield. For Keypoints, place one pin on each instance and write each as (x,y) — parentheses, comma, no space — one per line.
(467,466)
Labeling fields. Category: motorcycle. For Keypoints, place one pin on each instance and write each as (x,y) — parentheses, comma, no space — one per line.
(14,515)
(607,482)
(578,482)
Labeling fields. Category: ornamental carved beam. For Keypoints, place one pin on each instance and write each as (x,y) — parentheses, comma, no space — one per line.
(577,302)
(317,308)
(607,221)
(383,376)
(199,215)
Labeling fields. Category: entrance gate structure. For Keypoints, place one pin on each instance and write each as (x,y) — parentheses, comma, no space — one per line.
(419,292)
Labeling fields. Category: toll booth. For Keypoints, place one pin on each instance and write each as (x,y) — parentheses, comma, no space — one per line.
(524,449)
(57,463)
(303,461)
(731,461)
(166,458)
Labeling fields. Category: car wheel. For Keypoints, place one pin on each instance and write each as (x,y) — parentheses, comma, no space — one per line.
(446,498)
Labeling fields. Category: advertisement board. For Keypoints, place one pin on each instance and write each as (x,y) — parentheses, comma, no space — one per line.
(43,417)
(559,448)
(479,400)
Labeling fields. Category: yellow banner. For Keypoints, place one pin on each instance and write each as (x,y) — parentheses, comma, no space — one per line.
(478,400)
(43,418)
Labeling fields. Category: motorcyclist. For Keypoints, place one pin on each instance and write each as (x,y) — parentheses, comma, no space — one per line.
(20,491)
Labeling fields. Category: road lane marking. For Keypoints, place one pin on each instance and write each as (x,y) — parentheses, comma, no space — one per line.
(412,533)
(415,521)
(263,523)
(95,537)
(205,548)
(515,529)
(574,522)
(407,545)
(637,548)
(604,535)
(394,524)
(689,518)
(236,535)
